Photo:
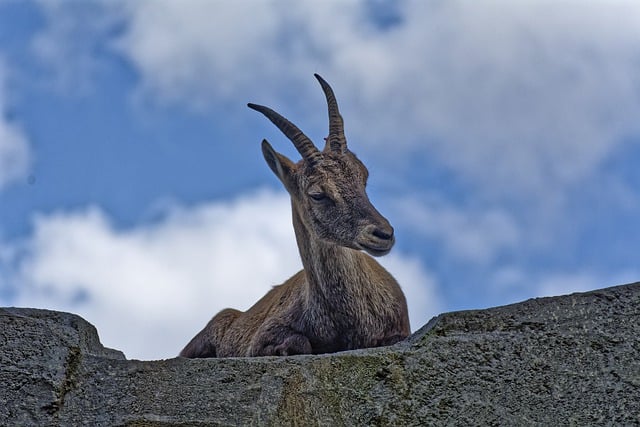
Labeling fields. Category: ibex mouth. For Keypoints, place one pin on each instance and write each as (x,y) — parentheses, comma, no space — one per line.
(377,248)
(377,241)
(375,251)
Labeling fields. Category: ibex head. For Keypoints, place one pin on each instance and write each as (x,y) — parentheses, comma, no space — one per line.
(328,187)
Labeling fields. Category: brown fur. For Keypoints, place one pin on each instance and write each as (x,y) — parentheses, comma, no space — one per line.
(342,299)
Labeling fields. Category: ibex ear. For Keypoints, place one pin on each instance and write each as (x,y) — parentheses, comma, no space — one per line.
(279,164)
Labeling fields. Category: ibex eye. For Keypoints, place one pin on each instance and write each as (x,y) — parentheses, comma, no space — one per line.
(318,197)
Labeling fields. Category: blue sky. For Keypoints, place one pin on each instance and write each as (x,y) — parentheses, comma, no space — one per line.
(502,140)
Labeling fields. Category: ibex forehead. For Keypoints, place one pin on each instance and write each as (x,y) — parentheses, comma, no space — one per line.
(339,179)
(337,168)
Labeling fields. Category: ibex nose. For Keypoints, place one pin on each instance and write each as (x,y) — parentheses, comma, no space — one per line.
(382,231)
(385,233)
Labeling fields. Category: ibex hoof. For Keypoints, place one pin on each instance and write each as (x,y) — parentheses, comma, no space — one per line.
(294,344)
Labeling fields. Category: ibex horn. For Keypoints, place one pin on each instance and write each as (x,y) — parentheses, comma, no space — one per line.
(303,144)
(336,140)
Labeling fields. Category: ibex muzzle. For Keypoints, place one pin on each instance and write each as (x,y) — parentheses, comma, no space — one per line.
(342,299)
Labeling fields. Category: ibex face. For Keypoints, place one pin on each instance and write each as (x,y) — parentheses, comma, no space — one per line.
(328,188)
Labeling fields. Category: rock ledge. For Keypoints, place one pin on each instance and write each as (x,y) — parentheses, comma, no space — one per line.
(571,359)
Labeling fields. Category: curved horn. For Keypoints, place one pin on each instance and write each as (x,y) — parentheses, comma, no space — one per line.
(336,140)
(301,141)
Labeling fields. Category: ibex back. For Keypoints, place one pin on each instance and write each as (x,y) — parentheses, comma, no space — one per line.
(342,299)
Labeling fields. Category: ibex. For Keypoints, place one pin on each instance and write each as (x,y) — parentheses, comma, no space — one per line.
(342,299)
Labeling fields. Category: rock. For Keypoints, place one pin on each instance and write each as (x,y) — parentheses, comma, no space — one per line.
(551,361)
(40,354)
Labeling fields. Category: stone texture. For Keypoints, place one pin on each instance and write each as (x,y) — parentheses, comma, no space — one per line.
(569,360)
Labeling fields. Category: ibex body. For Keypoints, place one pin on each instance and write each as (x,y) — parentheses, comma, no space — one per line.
(342,299)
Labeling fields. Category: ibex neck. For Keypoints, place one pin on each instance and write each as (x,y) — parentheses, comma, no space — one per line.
(330,268)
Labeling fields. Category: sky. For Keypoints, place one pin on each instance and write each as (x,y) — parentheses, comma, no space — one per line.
(502,140)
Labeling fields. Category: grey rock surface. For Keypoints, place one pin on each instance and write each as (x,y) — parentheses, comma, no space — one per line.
(569,360)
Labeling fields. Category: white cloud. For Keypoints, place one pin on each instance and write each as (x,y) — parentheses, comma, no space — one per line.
(419,286)
(149,289)
(562,284)
(471,235)
(516,96)
(70,48)
(514,283)
(202,52)
(567,283)
(15,155)
(201,49)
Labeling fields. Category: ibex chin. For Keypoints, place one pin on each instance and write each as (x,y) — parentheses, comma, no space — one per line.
(342,299)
